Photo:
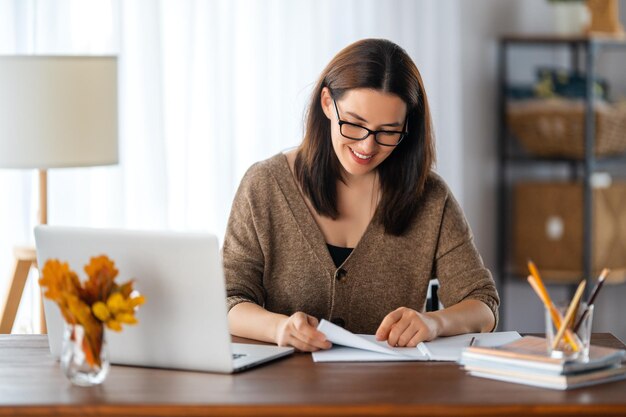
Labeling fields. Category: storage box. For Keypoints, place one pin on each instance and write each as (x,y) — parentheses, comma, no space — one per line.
(548,228)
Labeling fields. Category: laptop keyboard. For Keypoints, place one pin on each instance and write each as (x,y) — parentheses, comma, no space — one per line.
(238,355)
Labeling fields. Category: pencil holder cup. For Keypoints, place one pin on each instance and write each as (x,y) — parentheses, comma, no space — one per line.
(575,341)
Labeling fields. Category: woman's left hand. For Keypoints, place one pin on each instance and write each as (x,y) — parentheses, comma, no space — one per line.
(405,327)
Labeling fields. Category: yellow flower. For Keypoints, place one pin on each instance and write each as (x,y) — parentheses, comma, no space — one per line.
(126,318)
(137,301)
(121,309)
(116,303)
(101,311)
(114,325)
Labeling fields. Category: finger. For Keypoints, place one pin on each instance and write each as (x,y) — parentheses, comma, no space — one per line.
(418,338)
(303,326)
(300,345)
(300,323)
(313,338)
(308,334)
(398,329)
(299,319)
(303,322)
(312,321)
(385,326)
(414,328)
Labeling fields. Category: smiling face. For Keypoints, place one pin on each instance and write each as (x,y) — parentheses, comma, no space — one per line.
(369,108)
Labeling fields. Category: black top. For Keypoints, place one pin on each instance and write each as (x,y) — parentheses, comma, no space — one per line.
(339,254)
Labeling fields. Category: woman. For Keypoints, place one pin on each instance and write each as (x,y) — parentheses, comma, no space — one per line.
(353,224)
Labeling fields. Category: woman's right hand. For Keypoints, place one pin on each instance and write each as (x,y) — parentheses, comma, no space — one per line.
(300,331)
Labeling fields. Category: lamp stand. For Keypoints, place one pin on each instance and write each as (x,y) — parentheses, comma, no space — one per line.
(25,259)
(43,196)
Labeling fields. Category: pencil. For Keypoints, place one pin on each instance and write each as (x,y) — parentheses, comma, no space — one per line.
(535,273)
(592,298)
(554,313)
(569,335)
(570,313)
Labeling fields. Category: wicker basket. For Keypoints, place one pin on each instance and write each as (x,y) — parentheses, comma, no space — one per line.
(555,127)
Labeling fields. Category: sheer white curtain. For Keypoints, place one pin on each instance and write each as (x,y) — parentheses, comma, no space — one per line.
(206,89)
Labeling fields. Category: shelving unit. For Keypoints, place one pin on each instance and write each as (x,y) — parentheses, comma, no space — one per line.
(511,156)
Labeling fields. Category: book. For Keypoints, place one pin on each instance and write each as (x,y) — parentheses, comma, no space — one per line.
(350,347)
(530,353)
(552,381)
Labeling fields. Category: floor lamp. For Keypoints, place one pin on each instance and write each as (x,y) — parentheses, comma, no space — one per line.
(55,112)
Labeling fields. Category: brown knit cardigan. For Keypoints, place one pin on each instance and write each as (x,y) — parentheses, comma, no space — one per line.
(275,256)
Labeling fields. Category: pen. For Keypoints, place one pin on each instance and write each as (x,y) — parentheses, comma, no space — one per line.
(592,298)
(424,350)
(472,341)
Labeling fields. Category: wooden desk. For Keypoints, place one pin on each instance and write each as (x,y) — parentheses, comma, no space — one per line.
(31,383)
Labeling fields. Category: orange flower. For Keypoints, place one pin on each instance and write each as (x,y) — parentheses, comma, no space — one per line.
(101,272)
(61,283)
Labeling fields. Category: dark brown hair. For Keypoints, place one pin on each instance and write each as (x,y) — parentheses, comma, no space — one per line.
(381,65)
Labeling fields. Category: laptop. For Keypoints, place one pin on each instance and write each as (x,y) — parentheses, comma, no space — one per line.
(183,324)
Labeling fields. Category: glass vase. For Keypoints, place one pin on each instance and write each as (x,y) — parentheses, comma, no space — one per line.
(84,358)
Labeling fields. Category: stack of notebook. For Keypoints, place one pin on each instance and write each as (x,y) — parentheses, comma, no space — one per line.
(525,361)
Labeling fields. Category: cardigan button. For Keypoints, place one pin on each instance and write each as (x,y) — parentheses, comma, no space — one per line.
(340,274)
(338,321)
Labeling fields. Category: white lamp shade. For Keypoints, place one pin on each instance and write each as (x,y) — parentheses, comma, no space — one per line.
(58,111)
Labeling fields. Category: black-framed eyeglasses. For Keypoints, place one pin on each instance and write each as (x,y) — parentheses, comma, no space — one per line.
(358,132)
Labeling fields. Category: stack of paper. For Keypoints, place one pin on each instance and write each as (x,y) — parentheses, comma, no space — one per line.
(350,347)
(526,361)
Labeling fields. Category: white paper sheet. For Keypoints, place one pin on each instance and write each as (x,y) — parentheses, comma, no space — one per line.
(350,347)
(347,354)
(450,348)
(340,336)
